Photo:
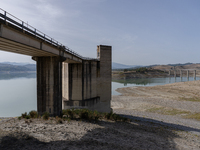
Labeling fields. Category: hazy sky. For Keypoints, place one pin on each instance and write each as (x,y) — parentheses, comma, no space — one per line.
(141,32)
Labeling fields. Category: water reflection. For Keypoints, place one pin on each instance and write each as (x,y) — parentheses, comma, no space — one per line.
(8,76)
(18,94)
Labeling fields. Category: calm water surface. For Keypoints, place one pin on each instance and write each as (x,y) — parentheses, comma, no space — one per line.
(17,94)
(147,82)
(18,91)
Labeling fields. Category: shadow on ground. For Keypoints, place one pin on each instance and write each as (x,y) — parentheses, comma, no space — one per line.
(113,135)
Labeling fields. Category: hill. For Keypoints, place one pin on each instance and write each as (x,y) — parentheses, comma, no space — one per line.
(9,67)
(178,66)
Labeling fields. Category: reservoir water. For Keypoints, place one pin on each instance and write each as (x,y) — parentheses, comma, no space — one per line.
(18,91)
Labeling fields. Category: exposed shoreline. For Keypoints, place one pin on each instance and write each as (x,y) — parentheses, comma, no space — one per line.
(158,122)
(174,105)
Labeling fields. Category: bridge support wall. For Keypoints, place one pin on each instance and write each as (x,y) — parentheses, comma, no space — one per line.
(49,84)
(88,84)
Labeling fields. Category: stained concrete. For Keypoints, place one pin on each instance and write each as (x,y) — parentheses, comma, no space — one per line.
(49,84)
(88,84)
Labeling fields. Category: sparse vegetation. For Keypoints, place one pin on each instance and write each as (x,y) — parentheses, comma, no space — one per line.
(142,70)
(59,120)
(33,114)
(89,115)
(167,111)
(192,99)
(45,116)
(193,116)
(74,114)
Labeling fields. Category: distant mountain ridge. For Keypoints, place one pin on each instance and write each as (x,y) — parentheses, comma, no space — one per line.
(16,63)
(16,67)
(20,67)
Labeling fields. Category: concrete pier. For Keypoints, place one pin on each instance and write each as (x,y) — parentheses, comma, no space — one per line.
(49,84)
(187,73)
(88,84)
(181,74)
(174,73)
(194,74)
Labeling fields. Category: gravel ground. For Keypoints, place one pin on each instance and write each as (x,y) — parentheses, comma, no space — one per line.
(39,134)
(166,105)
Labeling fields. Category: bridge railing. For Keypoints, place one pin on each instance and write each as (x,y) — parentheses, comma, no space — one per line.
(7,17)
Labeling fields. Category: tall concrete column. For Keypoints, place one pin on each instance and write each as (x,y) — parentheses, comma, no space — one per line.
(49,84)
(65,82)
(104,53)
(187,73)
(194,74)
(181,74)
(169,72)
(174,73)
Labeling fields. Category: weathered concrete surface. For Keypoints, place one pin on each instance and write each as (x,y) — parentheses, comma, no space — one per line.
(88,84)
(49,84)
(14,39)
(104,80)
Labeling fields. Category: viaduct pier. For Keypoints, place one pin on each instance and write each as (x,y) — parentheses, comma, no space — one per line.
(65,79)
(182,72)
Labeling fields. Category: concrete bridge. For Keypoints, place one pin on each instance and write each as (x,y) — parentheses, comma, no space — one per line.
(65,79)
(180,72)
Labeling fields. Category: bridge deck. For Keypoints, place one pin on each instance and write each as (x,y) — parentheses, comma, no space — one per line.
(18,37)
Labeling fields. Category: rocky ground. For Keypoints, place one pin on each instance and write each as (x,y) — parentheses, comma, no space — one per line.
(173,105)
(39,134)
(163,117)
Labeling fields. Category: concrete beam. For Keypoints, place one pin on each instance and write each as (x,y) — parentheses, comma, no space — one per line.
(11,35)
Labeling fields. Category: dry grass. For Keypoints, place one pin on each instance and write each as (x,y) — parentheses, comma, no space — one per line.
(172,111)
(167,111)
(191,99)
(195,116)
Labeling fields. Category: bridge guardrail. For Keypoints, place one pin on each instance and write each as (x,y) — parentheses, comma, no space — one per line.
(7,17)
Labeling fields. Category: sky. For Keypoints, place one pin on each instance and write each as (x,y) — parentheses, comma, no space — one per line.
(141,32)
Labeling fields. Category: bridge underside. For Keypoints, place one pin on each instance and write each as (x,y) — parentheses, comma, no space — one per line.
(86,82)
(15,47)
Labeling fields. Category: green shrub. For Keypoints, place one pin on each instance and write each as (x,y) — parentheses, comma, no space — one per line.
(96,115)
(142,70)
(24,115)
(45,116)
(33,114)
(84,114)
(28,117)
(90,115)
(69,113)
